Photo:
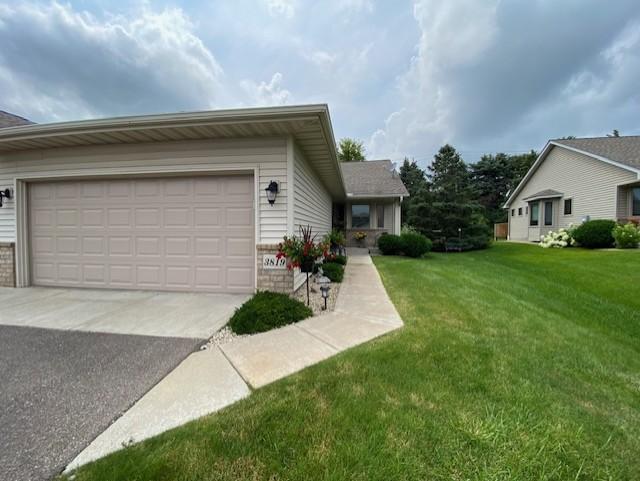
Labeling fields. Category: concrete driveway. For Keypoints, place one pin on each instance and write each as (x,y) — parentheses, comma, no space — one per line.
(164,314)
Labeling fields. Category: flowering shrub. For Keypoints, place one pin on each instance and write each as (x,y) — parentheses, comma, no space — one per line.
(626,236)
(302,251)
(559,239)
(360,236)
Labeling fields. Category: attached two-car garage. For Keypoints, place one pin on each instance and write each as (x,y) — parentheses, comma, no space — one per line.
(168,233)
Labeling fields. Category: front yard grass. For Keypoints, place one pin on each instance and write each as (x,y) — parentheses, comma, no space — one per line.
(515,363)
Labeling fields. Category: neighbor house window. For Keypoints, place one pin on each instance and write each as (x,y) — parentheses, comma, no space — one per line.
(533,218)
(568,206)
(636,201)
(526,210)
(548,213)
(513,212)
(380,216)
(519,210)
(360,216)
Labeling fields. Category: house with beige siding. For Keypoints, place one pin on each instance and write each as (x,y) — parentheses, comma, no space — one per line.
(192,201)
(574,180)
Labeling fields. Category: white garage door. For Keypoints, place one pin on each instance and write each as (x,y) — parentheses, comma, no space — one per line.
(173,234)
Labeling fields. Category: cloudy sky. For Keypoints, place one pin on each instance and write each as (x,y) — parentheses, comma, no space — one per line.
(405,77)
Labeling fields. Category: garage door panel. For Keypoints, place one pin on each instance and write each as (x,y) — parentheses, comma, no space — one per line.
(93,246)
(191,234)
(69,273)
(147,217)
(177,217)
(68,245)
(92,218)
(118,218)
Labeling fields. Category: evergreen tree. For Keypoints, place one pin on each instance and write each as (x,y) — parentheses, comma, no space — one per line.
(446,211)
(414,179)
(494,176)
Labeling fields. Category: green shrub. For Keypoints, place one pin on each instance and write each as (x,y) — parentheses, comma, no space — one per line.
(415,245)
(390,244)
(335,272)
(337,259)
(626,236)
(595,234)
(267,310)
(335,238)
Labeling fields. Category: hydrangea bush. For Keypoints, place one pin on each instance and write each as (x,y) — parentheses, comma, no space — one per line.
(559,239)
(627,236)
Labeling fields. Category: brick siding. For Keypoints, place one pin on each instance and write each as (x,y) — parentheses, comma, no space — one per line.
(275,280)
(7,264)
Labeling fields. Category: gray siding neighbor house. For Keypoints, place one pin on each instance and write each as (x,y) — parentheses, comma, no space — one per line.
(574,180)
(174,202)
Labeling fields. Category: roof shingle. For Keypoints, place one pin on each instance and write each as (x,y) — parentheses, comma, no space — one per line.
(625,150)
(372,178)
(547,193)
(11,120)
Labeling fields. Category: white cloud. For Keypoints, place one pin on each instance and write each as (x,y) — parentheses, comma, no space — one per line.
(322,59)
(497,75)
(265,94)
(281,8)
(452,34)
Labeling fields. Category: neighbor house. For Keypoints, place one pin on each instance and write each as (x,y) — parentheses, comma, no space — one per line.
(574,180)
(180,202)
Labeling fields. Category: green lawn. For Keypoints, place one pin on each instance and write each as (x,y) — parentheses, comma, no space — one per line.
(515,363)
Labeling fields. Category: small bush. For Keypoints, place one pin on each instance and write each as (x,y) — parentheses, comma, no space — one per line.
(267,310)
(626,236)
(337,259)
(415,245)
(595,234)
(390,244)
(335,272)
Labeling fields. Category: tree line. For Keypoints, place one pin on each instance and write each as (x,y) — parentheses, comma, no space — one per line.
(453,203)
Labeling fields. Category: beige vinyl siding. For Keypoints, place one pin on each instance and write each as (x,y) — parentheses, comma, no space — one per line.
(311,202)
(266,156)
(591,183)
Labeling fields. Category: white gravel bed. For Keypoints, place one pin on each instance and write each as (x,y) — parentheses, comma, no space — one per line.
(316,302)
(223,336)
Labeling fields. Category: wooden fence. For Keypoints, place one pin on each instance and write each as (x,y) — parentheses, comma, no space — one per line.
(501,231)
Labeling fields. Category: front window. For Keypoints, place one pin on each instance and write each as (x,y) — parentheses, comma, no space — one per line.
(360,216)
(533,218)
(636,201)
(548,213)
(380,216)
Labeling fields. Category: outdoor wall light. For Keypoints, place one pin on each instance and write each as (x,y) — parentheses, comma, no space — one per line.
(6,194)
(272,191)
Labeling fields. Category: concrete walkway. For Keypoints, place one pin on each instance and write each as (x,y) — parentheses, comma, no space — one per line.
(363,311)
(209,380)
